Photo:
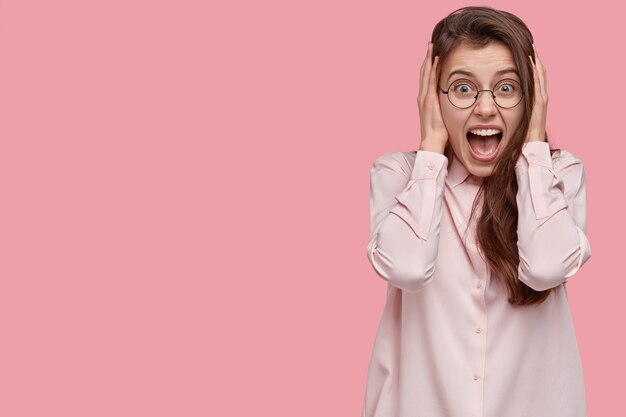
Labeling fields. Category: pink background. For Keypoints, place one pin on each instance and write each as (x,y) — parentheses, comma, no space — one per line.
(185,196)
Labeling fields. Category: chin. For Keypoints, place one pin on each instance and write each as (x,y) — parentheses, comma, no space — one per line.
(484,171)
(477,168)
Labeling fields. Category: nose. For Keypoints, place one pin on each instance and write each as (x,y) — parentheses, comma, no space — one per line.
(485,105)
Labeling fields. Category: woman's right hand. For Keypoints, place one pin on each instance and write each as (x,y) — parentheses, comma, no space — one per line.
(434,132)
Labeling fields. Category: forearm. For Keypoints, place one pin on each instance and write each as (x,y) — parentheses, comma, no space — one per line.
(552,247)
(403,248)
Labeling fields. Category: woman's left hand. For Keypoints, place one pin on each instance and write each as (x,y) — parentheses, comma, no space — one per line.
(537,127)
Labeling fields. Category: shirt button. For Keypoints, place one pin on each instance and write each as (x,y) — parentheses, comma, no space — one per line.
(476,376)
(478,330)
(431,166)
(532,154)
(479,284)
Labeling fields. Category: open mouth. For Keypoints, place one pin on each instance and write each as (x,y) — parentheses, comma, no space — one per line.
(484,148)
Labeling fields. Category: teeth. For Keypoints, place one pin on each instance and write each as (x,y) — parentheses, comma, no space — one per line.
(485,132)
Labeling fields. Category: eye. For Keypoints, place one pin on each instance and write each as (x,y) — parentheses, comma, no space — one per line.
(463,87)
(508,87)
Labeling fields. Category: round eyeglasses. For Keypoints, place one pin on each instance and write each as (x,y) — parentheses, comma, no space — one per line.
(464,93)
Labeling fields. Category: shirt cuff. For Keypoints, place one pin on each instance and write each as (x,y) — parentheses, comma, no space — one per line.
(535,152)
(417,200)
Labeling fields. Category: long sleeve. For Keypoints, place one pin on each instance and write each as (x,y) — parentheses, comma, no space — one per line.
(405,214)
(552,212)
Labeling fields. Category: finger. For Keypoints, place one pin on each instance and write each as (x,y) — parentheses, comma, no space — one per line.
(425,64)
(428,61)
(540,67)
(535,77)
(426,70)
(541,71)
(542,74)
(433,78)
(544,82)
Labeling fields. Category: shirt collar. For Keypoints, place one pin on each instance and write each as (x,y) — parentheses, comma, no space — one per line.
(457,173)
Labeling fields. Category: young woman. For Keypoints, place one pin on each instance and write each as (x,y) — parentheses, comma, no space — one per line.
(476,234)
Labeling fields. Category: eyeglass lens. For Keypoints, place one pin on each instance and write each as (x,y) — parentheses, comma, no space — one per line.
(462,93)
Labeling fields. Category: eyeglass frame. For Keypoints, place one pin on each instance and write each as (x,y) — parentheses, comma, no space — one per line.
(493,95)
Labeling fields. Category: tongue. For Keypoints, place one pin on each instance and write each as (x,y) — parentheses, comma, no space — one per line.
(483,144)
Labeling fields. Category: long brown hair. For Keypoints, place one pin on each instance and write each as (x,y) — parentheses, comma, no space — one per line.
(496,230)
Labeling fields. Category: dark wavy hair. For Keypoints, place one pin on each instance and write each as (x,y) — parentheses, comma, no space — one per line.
(496,230)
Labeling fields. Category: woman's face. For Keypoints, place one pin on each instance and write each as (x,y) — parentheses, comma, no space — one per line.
(483,67)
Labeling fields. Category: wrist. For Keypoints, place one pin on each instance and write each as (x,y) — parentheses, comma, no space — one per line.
(535,137)
(432,146)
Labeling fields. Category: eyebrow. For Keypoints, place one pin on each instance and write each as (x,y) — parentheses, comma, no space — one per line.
(469,74)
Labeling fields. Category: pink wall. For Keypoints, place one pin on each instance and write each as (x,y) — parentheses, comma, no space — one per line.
(185,197)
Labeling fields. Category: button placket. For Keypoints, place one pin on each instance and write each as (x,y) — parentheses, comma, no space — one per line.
(477,341)
(479,330)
